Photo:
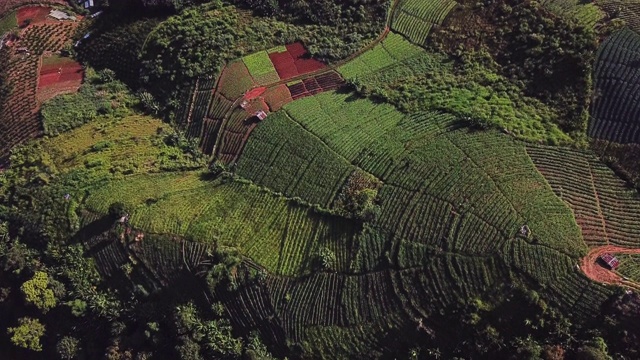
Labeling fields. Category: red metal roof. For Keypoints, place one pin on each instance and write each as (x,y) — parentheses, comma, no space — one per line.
(611,260)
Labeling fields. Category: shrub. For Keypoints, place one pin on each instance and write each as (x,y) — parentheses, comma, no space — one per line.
(27,335)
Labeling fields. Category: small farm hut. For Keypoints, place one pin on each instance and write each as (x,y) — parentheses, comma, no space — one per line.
(61,15)
(261,115)
(611,261)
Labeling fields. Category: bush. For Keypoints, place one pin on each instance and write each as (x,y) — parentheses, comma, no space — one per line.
(117,210)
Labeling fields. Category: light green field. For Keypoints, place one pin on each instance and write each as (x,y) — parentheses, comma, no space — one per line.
(276,233)
(391,51)
(129,145)
(260,66)
(286,158)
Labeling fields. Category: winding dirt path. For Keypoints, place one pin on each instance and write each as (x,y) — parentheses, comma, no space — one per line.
(596,272)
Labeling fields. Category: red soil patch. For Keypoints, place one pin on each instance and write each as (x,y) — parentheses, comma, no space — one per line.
(52,74)
(302,62)
(596,272)
(284,64)
(277,96)
(37,14)
(254,93)
(296,50)
(305,66)
(7,5)
(59,78)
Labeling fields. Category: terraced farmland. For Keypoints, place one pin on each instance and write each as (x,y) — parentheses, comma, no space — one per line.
(284,157)
(424,158)
(627,10)
(283,236)
(602,203)
(336,223)
(415,18)
(583,14)
(616,108)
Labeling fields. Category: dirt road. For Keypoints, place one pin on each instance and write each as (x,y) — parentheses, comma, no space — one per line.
(597,272)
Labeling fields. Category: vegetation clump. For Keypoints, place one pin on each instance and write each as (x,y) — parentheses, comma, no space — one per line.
(547,57)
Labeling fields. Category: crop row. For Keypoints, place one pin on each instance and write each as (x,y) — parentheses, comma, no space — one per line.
(284,157)
(583,14)
(616,107)
(278,235)
(109,258)
(162,257)
(453,164)
(250,307)
(235,80)
(46,37)
(276,97)
(520,188)
(630,266)
(604,205)
(209,135)
(415,18)
(315,85)
(333,119)
(417,217)
(626,10)
(578,296)
(19,121)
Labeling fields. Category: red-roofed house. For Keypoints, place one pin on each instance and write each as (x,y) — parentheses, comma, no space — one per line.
(611,261)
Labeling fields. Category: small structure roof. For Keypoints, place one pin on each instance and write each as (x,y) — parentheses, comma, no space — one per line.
(61,15)
(610,260)
(261,115)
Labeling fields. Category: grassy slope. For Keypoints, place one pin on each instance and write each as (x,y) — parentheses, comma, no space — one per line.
(128,145)
(262,225)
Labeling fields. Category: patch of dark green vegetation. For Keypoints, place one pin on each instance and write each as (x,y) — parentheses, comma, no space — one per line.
(115,41)
(545,56)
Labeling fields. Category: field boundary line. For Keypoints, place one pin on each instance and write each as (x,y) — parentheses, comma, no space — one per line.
(288,115)
(597,198)
(430,194)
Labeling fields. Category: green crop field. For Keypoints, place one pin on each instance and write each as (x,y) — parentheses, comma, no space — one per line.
(286,158)
(584,14)
(599,199)
(261,68)
(415,18)
(426,156)
(283,236)
(627,10)
(391,51)
(630,266)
